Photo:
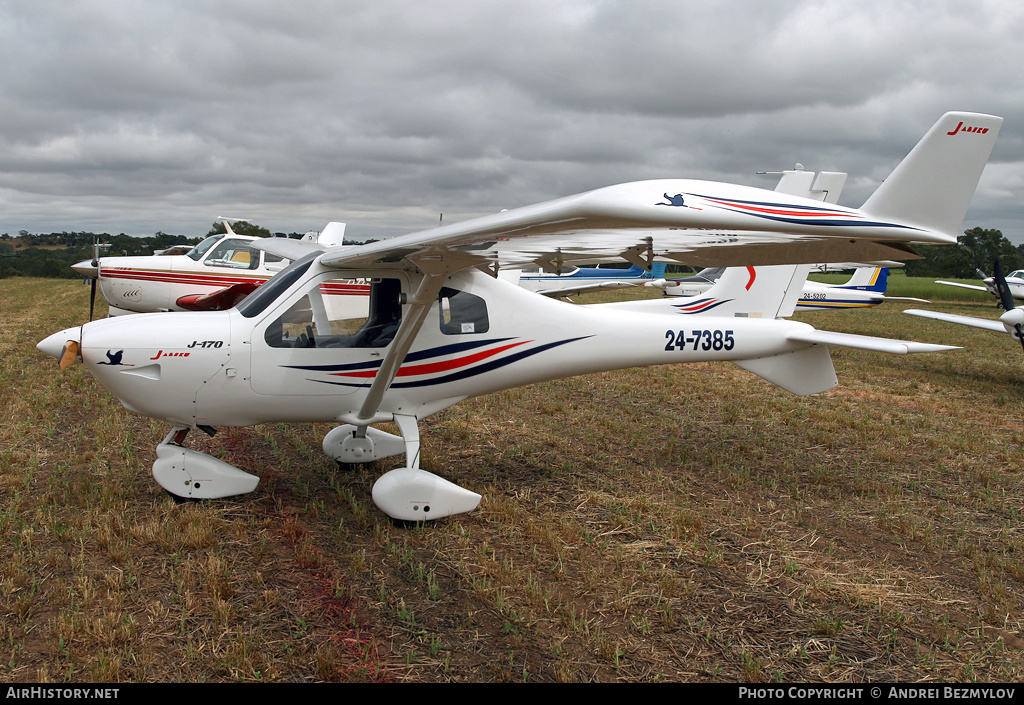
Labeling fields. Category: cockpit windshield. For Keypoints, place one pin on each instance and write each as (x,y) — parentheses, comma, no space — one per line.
(203,247)
(258,300)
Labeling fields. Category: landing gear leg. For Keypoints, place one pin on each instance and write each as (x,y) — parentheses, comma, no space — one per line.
(410,494)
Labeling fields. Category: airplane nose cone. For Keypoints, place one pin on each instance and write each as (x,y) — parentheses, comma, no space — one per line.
(1013,317)
(53,345)
(86,268)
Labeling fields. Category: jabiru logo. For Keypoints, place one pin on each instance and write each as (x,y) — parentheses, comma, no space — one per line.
(960,128)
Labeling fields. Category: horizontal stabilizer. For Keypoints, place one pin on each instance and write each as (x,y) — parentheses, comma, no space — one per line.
(866,342)
(903,298)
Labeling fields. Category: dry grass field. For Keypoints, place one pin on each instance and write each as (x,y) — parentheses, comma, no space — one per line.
(683,523)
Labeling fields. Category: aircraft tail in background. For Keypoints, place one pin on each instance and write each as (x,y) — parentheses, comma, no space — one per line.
(868,279)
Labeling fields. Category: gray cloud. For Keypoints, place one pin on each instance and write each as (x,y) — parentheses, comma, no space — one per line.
(144,116)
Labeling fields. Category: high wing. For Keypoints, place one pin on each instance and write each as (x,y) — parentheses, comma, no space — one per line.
(292,249)
(972,321)
(705,223)
(973,287)
(693,222)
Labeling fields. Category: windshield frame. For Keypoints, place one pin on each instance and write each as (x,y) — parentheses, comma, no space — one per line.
(203,247)
(258,301)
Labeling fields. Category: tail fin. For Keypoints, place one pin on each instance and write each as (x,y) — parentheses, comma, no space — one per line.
(333,234)
(755,292)
(868,279)
(933,186)
(763,292)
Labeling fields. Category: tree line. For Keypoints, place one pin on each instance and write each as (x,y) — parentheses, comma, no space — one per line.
(976,251)
(51,255)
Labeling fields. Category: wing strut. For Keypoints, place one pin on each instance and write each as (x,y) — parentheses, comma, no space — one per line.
(436,267)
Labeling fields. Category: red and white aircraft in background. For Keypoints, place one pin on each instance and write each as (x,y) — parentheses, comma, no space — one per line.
(214,275)
(441,328)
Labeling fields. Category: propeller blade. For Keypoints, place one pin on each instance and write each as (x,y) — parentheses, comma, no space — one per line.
(92,296)
(69,354)
(1007,302)
(1002,288)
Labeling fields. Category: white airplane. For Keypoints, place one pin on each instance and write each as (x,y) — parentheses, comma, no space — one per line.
(215,274)
(865,288)
(1012,321)
(1014,282)
(441,328)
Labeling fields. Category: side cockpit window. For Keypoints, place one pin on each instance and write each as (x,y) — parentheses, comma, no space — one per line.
(340,314)
(461,312)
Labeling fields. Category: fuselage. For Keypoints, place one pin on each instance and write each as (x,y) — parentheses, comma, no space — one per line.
(281,356)
(1014,282)
(540,281)
(148,284)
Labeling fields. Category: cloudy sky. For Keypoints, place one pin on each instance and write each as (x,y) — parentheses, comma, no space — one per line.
(140,116)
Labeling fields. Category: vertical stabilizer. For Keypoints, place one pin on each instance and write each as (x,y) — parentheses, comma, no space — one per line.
(759,292)
(333,235)
(868,279)
(933,186)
